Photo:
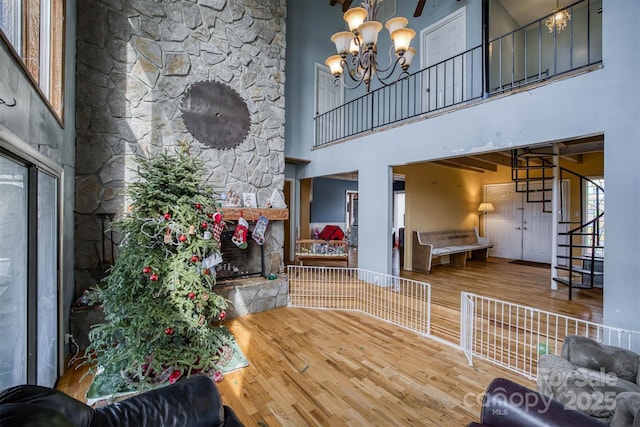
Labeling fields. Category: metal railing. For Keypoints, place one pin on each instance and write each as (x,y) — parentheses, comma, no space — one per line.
(533,53)
(402,302)
(527,55)
(513,336)
(448,83)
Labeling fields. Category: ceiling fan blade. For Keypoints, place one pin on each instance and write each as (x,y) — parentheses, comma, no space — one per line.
(419,8)
(346,4)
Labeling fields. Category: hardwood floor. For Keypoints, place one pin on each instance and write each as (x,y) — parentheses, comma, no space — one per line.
(318,367)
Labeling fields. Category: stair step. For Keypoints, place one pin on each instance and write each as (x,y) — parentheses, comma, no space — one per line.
(569,222)
(579,269)
(566,245)
(574,285)
(582,258)
(537,167)
(566,233)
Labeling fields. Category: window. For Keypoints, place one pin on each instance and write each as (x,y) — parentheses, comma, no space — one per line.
(28,274)
(35,31)
(594,207)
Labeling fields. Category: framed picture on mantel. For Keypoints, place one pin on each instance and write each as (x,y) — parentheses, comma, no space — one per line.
(249,200)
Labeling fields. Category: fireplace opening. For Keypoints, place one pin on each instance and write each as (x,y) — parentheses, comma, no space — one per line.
(239,263)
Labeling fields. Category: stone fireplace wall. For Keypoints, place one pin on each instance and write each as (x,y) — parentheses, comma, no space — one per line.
(135,60)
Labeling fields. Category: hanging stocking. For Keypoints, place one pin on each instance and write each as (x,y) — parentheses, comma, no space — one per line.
(259,230)
(218,226)
(240,233)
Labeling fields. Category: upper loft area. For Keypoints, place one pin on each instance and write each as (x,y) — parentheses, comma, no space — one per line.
(519,45)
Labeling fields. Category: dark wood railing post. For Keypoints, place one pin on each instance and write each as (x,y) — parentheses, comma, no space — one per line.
(485,47)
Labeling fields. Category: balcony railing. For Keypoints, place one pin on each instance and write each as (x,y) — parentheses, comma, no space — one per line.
(448,83)
(527,55)
(533,53)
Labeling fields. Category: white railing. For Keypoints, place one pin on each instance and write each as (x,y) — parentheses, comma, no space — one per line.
(402,302)
(513,335)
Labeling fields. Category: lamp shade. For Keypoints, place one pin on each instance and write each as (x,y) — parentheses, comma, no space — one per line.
(354,17)
(369,31)
(408,57)
(335,65)
(342,41)
(402,38)
(486,207)
(396,23)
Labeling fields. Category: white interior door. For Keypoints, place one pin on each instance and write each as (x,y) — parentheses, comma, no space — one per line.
(503,227)
(440,41)
(536,233)
(328,94)
(518,229)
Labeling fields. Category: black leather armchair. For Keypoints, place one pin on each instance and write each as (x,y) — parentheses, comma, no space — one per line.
(191,402)
(508,404)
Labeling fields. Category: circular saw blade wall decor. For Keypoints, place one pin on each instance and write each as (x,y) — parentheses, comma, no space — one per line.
(215,114)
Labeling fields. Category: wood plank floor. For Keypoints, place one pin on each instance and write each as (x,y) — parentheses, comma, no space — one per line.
(324,368)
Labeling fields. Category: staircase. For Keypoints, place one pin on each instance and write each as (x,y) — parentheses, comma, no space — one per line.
(581,241)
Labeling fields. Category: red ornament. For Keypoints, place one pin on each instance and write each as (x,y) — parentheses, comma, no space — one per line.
(210,215)
(147,270)
(168,331)
(192,295)
(206,271)
(167,216)
(154,277)
(175,375)
(198,206)
(222,315)
(195,258)
(204,225)
(217,377)
(217,218)
(182,238)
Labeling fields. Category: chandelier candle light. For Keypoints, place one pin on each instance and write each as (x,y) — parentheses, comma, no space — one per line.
(559,19)
(361,42)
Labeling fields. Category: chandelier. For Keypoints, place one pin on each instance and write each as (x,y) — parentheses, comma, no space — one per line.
(358,48)
(559,19)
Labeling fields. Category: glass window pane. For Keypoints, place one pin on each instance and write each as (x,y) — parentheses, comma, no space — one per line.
(13,272)
(47,280)
(10,19)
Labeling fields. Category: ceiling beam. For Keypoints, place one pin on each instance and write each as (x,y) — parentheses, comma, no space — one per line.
(587,147)
(474,163)
(499,158)
(452,164)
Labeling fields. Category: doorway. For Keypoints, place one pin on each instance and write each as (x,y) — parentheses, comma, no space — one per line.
(518,229)
(352,217)
(440,41)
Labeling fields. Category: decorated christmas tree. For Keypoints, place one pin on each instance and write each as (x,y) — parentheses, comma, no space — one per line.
(161,310)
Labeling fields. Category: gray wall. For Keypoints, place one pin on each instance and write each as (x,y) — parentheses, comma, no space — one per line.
(31,130)
(329,199)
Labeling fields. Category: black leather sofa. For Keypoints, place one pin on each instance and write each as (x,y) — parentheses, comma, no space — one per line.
(508,404)
(192,402)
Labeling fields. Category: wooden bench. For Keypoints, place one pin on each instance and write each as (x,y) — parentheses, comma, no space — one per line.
(458,245)
(322,252)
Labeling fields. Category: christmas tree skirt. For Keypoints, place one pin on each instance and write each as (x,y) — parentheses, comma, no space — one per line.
(101,386)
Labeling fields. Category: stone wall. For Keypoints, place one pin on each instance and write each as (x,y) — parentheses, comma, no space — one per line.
(135,60)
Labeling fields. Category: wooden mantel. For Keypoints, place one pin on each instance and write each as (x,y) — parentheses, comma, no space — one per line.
(251,214)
